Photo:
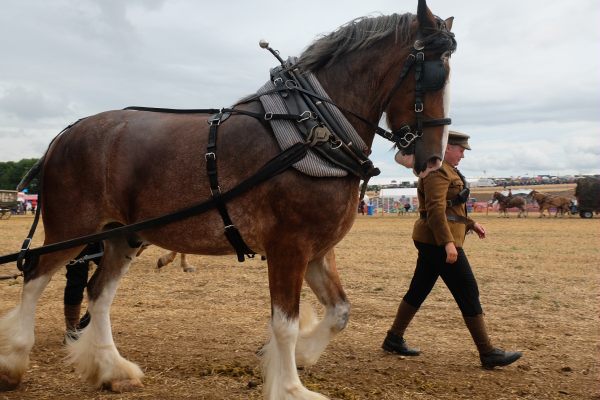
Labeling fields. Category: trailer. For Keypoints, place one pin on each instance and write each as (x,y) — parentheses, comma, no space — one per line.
(8,202)
(587,193)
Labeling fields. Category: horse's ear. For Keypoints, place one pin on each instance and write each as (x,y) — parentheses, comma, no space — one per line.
(448,23)
(425,16)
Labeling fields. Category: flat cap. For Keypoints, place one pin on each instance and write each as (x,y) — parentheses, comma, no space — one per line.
(459,139)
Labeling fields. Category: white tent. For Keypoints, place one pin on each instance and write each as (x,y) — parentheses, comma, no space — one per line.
(391,199)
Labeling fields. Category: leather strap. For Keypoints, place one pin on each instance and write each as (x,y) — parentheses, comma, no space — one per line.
(231,232)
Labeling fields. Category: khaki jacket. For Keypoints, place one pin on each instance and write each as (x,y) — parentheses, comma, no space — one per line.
(433,191)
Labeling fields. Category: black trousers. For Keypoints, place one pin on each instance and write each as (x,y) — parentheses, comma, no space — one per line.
(77,274)
(77,277)
(458,277)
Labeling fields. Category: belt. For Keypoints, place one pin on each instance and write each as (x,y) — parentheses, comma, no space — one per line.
(449,217)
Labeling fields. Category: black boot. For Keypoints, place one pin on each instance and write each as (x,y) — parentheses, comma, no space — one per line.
(499,358)
(489,355)
(71,312)
(396,344)
(394,341)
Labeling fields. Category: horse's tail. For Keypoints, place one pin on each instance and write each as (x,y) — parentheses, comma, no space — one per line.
(32,173)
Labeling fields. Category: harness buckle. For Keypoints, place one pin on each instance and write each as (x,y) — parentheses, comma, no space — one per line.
(210,155)
(216,120)
(26,244)
(419,107)
(217,190)
(268,116)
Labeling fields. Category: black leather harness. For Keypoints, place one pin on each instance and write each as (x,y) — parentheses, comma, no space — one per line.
(231,232)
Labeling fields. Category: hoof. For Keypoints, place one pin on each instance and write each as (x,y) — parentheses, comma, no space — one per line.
(124,385)
(8,382)
(189,269)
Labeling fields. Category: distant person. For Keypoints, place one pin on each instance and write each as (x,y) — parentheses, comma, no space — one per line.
(438,236)
(406,207)
(510,195)
(361,207)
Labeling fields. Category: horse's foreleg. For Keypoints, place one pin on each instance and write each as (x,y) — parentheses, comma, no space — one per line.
(184,264)
(323,279)
(280,376)
(94,355)
(17,326)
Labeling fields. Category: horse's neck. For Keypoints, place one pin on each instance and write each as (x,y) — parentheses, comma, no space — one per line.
(369,87)
(353,98)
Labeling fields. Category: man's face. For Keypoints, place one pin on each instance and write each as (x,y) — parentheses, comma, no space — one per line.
(454,154)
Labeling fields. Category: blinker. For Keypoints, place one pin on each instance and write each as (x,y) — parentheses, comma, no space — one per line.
(434,75)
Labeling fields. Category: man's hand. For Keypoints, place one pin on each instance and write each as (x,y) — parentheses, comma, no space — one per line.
(451,253)
(479,230)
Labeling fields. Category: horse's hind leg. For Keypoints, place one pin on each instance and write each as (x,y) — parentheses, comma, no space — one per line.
(166,259)
(280,376)
(94,355)
(323,279)
(17,326)
(184,264)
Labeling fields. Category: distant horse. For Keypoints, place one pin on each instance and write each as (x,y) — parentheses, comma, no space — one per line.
(397,64)
(546,201)
(505,202)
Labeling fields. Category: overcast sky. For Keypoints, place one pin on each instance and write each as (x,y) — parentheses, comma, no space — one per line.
(525,77)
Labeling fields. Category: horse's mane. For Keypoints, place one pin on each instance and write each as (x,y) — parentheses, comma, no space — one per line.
(354,35)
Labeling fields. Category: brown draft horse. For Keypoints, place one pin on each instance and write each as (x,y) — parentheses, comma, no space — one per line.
(122,154)
(505,202)
(546,202)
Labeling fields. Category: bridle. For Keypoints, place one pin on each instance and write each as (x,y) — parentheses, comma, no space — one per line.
(429,76)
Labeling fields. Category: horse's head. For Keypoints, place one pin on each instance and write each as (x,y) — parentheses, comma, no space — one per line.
(417,104)
(397,64)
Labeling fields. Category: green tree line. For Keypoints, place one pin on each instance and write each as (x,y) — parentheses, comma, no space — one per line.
(11,173)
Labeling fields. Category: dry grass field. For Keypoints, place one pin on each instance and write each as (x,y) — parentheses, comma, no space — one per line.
(195,334)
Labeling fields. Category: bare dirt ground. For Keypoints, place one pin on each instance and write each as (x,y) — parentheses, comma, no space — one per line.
(195,335)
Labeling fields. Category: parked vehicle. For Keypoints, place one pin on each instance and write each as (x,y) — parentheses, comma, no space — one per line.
(8,201)
(588,196)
